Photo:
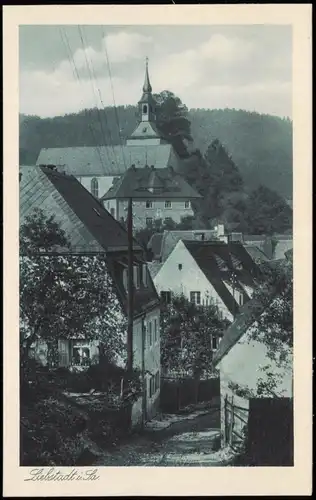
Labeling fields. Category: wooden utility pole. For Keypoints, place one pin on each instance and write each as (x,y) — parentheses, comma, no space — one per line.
(144,399)
(130,288)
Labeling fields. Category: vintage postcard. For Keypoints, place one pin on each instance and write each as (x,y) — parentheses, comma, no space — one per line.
(157,235)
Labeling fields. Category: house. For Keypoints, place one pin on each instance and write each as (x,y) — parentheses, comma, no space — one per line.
(209,272)
(268,419)
(162,244)
(92,230)
(274,247)
(96,168)
(156,193)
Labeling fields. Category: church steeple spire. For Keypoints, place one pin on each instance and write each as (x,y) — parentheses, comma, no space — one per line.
(146,132)
(147,87)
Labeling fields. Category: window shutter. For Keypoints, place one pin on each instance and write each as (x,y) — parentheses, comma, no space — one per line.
(136,276)
(145,277)
(125,278)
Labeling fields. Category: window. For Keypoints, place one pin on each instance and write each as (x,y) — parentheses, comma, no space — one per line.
(150,334)
(168,204)
(136,276)
(155,330)
(80,353)
(241,299)
(154,384)
(149,221)
(149,204)
(195,297)
(214,343)
(144,276)
(144,108)
(95,187)
(165,296)
(180,267)
(112,212)
(186,204)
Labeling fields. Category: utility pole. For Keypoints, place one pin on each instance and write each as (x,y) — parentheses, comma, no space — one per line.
(144,402)
(130,288)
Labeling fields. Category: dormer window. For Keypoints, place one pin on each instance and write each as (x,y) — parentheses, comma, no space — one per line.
(95,187)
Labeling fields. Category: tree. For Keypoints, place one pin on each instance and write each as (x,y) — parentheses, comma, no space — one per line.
(187,332)
(173,120)
(63,295)
(266,212)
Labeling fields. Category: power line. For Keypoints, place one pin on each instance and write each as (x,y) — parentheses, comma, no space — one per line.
(72,63)
(113,96)
(90,70)
(105,117)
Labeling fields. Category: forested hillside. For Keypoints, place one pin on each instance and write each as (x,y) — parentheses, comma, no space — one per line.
(259,145)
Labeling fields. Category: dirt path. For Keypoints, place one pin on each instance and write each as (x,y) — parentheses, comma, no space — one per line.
(187,441)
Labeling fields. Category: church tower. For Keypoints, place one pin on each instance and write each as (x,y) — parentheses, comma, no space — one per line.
(146,132)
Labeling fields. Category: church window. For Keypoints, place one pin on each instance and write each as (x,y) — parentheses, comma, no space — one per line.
(95,187)
(145,108)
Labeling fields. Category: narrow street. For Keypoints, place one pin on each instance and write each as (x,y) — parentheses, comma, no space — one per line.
(177,440)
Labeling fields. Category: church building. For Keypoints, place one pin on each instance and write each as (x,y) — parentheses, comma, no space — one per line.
(97,167)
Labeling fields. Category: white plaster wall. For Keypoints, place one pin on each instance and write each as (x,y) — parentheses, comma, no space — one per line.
(152,356)
(105,182)
(242,363)
(190,278)
(143,142)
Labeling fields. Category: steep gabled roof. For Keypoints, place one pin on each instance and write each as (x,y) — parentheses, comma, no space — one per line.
(151,183)
(107,160)
(85,221)
(209,255)
(90,228)
(256,253)
(171,238)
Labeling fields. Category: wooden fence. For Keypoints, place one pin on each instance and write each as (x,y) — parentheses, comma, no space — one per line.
(177,393)
(236,422)
(264,431)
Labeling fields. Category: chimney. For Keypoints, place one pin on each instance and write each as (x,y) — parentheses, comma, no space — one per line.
(220,230)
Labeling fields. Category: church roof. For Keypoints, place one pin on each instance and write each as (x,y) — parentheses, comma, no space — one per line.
(145,130)
(151,183)
(107,160)
(147,87)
